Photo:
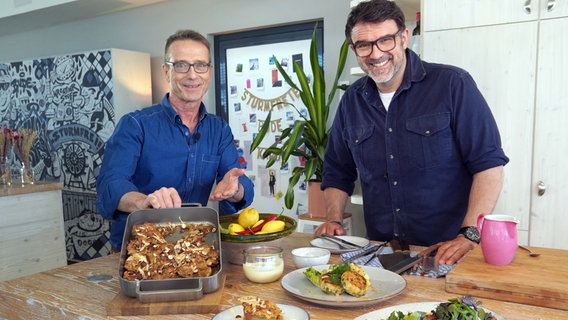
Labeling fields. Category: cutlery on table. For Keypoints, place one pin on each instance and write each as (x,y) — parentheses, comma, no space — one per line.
(376,254)
(367,251)
(531,253)
(344,244)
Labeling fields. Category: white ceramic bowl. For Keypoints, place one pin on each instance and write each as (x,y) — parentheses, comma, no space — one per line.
(310,256)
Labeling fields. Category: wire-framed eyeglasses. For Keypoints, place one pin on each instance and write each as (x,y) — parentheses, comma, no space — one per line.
(183,67)
(385,44)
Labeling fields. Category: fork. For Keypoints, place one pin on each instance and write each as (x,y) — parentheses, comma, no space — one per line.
(343,244)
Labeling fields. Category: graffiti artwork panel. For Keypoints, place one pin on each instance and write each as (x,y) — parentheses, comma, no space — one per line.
(68,101)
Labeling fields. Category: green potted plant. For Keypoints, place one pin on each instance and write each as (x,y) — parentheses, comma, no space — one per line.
(308,137)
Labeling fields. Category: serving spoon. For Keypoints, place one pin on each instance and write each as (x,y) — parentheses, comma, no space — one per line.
(531,253)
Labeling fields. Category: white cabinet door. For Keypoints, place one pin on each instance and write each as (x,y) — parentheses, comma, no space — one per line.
(451,14)
(549,219)
(516,53)
(504,71)
(553,8)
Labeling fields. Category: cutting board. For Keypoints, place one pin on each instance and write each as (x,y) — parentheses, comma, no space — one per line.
(540,281)
(122,305)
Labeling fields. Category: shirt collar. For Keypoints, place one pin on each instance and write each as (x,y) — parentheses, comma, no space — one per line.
(173,115)
(415,70)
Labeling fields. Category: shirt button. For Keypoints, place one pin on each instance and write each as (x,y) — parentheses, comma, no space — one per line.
(357,141)
(186,133)
(427,132)
(391,157)
(394,183)
(397,210)
(390,129)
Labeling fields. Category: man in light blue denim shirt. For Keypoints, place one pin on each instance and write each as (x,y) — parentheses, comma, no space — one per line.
(173,152)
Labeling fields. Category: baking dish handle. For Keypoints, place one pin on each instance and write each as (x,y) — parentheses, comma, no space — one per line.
(191,204)
(193,290)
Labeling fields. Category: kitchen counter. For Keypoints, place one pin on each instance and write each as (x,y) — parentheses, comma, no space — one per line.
(65,293)
(18,188)
(32,236)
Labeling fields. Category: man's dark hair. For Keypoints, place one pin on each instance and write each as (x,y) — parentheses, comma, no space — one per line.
(185,35)
(374,11)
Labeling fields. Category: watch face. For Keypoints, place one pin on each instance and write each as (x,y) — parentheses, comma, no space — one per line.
(471,233)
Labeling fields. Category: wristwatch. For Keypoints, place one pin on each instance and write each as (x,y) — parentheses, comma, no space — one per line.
(470,233)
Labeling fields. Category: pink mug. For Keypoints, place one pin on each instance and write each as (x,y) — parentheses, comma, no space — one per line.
(499,239)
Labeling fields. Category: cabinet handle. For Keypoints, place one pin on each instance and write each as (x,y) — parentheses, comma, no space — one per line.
(541,188)
(528,6)
(550,5)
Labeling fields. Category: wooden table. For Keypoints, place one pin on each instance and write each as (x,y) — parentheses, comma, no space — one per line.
(65,293)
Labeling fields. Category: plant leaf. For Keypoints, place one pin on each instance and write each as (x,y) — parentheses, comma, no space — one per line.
(262,132)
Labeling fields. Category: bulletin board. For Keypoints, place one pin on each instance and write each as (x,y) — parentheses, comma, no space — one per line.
(249,84)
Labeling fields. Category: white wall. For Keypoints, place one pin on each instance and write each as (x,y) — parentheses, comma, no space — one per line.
(145,29)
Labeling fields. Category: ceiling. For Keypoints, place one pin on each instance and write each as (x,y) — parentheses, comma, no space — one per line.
(24,15)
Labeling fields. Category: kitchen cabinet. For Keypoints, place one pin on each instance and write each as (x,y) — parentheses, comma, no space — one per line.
(514,51)
(32,237)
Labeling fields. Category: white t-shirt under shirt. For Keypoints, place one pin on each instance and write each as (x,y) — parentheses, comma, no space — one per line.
(386,98)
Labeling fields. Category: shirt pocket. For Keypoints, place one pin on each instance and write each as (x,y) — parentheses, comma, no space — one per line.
(208,169)
(430,140)
(364,148)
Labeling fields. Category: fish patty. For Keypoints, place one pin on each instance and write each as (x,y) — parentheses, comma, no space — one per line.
(354,283)
(327,286)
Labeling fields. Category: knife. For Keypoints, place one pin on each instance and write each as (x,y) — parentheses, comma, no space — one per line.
(409,261)
(339,241)
(369,250)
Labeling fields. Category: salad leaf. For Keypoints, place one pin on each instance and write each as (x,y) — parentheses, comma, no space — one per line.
(398,315)
(313,275)
(466,308)
(336,271)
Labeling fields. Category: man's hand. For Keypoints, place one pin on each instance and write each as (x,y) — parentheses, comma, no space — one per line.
(229,188)
(454,250)
(330,228)
(162,198)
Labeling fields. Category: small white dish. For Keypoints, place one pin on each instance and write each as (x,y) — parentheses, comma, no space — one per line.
(335,248)
(289,312)
(310,256)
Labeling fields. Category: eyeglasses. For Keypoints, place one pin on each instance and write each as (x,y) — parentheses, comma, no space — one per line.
(183,67)
(385,44)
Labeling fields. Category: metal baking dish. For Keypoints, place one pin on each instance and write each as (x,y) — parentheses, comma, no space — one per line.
(179,289)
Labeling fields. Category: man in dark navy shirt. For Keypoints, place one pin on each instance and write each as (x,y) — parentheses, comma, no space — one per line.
(174,151)
(419,135)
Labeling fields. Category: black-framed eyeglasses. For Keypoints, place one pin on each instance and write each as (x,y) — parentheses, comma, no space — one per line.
(385,44)
(183,67)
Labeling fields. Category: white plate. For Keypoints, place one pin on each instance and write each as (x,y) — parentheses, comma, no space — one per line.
(288,313)
(384,285)
(335,248)
(405,308)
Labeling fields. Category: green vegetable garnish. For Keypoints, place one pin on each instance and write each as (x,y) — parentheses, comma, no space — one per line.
(466,308)
(313,275)
(336,271)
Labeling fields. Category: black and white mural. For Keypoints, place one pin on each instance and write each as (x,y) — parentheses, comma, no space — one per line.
(68,101)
